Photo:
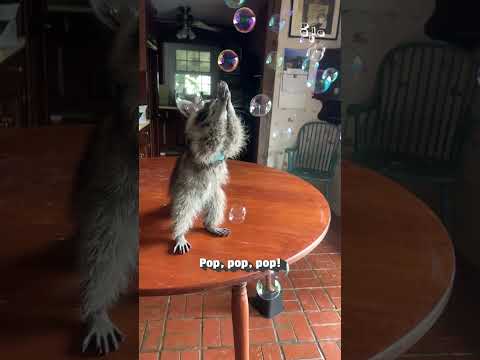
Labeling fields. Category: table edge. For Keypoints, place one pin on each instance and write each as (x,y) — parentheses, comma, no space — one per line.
(248,277)
(404,343)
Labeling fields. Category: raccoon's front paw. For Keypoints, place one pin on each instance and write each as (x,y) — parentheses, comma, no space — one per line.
(221,232)
(102,335)
(182,246)
(223,92)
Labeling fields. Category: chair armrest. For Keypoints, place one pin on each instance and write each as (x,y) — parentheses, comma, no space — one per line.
(291,153)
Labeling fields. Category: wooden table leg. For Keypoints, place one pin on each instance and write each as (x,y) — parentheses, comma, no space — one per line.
(240,321)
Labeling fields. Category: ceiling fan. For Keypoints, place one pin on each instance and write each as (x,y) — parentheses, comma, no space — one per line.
(186,22)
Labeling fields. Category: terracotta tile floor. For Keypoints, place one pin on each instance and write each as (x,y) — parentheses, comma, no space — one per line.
(199,326)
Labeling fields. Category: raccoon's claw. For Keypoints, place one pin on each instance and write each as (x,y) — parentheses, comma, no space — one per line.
(104,336)
(222,232)
(182,245)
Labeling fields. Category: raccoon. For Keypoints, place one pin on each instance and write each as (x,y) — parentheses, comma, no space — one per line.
(214,133)
(105,198)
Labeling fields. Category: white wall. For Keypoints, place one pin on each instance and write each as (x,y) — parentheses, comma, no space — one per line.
(369,29)
(280,117)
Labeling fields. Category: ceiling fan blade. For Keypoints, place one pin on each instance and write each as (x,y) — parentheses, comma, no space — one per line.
(201,25)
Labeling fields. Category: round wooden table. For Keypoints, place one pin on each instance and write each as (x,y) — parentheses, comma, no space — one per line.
(286,219)
(398,266)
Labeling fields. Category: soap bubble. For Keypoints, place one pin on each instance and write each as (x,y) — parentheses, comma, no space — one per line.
(276,23)
(301,40)
(325,84)
(305,64)
(237,214)
(332,73)
(228,60)
(317,65)
(317,53)
(260,105)
(269,288)
(244,20)
(235,4)
(274,60)
(310,84)
(189,103)
(287,133)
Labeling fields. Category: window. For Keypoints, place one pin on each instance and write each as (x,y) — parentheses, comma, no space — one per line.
(190,69)
(193,72)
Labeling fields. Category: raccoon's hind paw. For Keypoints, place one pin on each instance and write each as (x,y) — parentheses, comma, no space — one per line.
(102,335)
(182,246)
(221,232)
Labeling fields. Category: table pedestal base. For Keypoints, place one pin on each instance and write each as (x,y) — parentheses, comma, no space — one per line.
(240,321)
(267,308)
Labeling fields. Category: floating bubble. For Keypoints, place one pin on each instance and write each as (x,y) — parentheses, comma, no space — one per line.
(287,133)
(260,105)
(302,40)
(274,60)
(244,20)
(228,60)
(305,64)
(237,214)
(325,84)
(321,33)
(317,65)
(317,53)
(269,288)
(189,103)
(310,84)
(332,73)
(235,4)
(276,23)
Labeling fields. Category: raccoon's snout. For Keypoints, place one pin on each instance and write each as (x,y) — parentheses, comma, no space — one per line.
(223,92)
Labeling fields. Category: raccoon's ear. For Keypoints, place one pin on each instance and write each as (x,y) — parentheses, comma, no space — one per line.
(187,108)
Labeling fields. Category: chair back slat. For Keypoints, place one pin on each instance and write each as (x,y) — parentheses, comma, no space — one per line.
(317,144)
(424,94)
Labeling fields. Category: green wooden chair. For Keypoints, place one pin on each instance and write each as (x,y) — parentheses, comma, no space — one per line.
(415,125)
(315,154)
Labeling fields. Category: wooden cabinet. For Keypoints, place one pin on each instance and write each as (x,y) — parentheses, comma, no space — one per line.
(144,142)
(167,132)
(13,96)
